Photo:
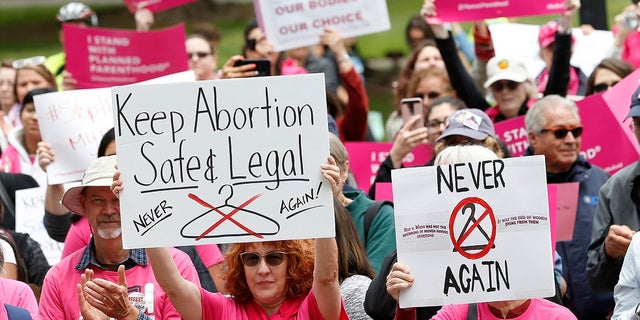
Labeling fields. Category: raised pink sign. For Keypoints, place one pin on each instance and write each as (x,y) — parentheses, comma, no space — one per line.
(98,57)
(473,10)
(154,5)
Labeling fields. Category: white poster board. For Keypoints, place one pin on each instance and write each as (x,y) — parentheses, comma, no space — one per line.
(521,40)
(29,215)
(223,161)
(73,122)
(474,232)
(290,24)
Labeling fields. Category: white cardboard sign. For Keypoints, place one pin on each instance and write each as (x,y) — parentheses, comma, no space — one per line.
(223,161)
(73,122)
(292,24)
(474,232)
(29,214)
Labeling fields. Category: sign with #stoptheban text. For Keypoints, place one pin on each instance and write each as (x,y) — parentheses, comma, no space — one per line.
(474,232)
(223,161)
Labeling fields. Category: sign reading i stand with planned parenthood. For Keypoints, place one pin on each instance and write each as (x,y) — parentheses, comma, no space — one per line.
(223,161)
(474,232)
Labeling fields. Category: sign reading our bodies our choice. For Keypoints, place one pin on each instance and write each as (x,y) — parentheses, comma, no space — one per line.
(223,161)
(292,24)
(473,232)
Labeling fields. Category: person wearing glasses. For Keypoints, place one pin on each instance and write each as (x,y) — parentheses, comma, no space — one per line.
(104,280)
(507,77)
(555,131)
(616,220)
(202,60)
(607,74)
(282,279)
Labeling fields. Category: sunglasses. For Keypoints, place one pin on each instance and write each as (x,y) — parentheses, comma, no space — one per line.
(431,95)
(273,258)
(602,87)
(33,61)
(561,133)
(201,55)
(500,85)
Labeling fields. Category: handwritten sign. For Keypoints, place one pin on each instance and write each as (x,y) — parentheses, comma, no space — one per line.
(99,57)
(29,214)
(521,40)
(223,161)
(292,24)
(474,232)
(365,159)
(154,5)
(73,123)
(473,10)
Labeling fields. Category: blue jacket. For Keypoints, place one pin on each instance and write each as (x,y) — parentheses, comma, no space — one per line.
(580,298)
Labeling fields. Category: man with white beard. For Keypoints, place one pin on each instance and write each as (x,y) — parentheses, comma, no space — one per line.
(103,280)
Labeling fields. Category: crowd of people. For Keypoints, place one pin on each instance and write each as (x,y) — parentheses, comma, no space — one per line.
(356,274)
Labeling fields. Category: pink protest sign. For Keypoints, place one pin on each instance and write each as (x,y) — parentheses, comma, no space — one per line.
(384,191)
(472,10)
(514,134)
(98,57)
(563,206)
(365,159)
(154,5)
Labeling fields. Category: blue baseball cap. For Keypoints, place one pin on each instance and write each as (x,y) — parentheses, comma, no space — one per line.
(635,105)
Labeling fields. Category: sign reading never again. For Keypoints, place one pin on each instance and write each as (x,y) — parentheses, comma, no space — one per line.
(474,232)
(223,161)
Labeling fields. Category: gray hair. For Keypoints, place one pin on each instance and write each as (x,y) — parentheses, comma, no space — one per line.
(338,151)
(464,153)
(535,121)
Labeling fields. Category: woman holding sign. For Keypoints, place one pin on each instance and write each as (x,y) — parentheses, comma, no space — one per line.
(285,279)
(400,278)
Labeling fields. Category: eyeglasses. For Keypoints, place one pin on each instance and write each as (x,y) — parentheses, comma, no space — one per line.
(499,85)
(561,133)
(601,87)
(435,123)
(273,258)
(201,55)
(431,95)
(33,61)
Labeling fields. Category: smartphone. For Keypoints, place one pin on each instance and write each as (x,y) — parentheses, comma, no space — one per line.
(263,66)
(411,107)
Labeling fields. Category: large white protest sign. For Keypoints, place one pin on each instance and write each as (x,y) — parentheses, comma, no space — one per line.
(223,161)
(521,40)
(292,24)
(473,232)
(29,214)
(73,122)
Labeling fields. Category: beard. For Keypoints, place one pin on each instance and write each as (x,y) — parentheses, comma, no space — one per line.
(109,232)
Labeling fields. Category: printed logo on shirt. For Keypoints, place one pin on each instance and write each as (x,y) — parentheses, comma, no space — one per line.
(591,200)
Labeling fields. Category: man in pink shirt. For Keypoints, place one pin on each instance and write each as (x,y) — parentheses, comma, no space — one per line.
(104,280)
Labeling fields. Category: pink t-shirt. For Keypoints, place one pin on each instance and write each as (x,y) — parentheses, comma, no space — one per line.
(539,309)
(19,294)
(631,49)
(216,306)
(59,298)
(80,233)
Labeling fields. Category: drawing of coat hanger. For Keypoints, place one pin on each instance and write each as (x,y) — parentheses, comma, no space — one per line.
(201,227)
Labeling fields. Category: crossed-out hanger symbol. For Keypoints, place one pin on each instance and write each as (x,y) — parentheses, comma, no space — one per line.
(227,217)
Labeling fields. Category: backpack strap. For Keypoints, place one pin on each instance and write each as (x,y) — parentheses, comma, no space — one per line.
(17,313)
(370,215)
(472,314)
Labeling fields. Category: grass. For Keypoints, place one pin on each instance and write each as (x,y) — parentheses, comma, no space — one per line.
(32,31)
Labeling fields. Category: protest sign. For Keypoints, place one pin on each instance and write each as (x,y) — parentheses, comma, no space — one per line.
(563,206)
(384,191)
(474,10)
(474,232)
(223,161)
(154,5)
(521,40)
(365,159)
(73,122)
(98,57)
(29,214)
(292,24)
